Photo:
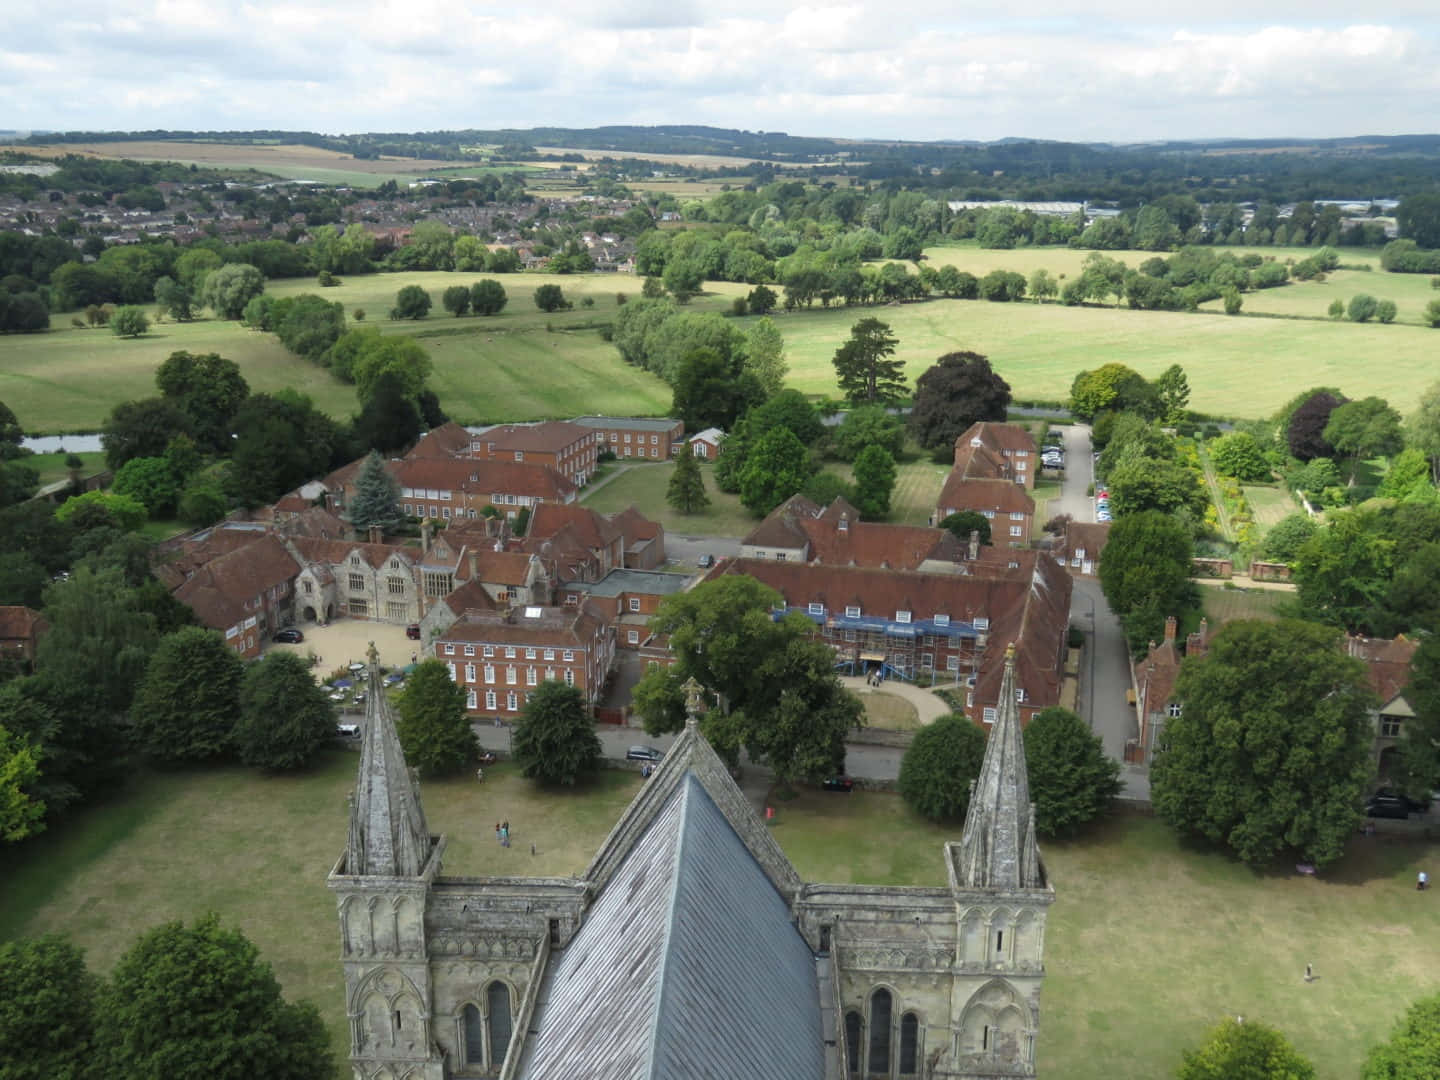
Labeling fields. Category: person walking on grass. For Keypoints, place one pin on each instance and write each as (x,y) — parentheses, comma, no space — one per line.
(1422,882)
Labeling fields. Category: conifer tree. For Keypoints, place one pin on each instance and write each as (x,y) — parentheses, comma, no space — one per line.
(687,487)
(376,500)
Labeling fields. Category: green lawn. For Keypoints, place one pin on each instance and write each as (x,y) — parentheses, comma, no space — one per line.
(645,487)
(1149,941)
(1271,505)
(917,489)
(1224,605)
(1312,299)
(51,467)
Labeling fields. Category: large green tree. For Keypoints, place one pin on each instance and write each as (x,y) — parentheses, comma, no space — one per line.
(1173,390)
(1145,573)
(1341,573)
(958,390)
(47,1011)
(487,297)
(712,390)
(1271,750)
(411,302)
(686,492)
(1422,428)
(377,497)
(555,740)
(765,354)
(227,290)
(1418,217)
(209,389)
(22,812)
(151,482)
(939,765)
(1238,454)
(1413,1049)
(142,429)
(185,708)
(434,729)
(1242,1049)
(874,483)
(865,365)
(280,443)
(129,321)
(1364,429)
(1072,781)
(773,685)
(1420,748)
(199,1001)
(965,522)
(285,716)
(776,468)
(1305,425)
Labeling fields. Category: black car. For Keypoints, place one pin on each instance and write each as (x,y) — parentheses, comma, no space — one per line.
(644,753)
(1388,804)
(839,783)
(290,636)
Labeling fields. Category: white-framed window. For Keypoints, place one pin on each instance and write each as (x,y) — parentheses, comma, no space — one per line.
(569,677)
(942,620)
(549,674)
(512,701)
(529,654)
(489,673)
(1019,695)
(633,637)
(654,439)
(952,663)
(469,650)
(445,512)
(852,611)
(519,455)
(489,699)
(568,656)
(357,582)
(1385,721)
(815,609)
(470,699)
(989,513)
(450,667)
(849,635)
(1017,515)
(927,660)
(449,649)
(487,650)
(531,677)
(549,654)
(902,616)
(989,715)
(1017,530)
(511,675)
(627,436)
(634,603)
(469,672)
(982,623)
(509,652)
(406,507)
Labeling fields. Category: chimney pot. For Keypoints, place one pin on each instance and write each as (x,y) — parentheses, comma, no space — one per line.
(1170,625)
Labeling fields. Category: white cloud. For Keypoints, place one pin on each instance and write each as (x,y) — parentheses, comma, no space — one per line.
(923,69)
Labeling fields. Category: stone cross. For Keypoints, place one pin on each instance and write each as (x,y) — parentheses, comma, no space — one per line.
(693,690)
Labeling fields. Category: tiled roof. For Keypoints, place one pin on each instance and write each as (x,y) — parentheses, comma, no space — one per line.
(497,567)
(470,596)
(336,552)
(1002,496)
(781,527)
(564,626)
(635,526)
(551,436)
(217,592)
(20,623)
(629,423)
(592,529)
(482,477)
(1087,536)
(998,436)
(1387,663)
(447,440)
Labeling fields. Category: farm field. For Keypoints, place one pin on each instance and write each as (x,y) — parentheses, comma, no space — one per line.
(1312,299)
(967,255)
(1124,993)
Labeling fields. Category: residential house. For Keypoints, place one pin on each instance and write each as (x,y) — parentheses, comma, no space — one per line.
(950,627)
(706,444)
(644,539)
(358,580)
(636,437)
(800,531)
(1154,677)
(449,440)
(245,594)
(21,629)
(499,658)
(1080,546)
(1387,667)
(570,449)
(1005,452)
(575,542)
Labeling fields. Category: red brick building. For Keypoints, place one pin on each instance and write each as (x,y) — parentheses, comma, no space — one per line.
(447,489)
(953,627)
(20,631)
(246,594)
(569,449)
(499,658)
(1004,452)
(995,464)
(636,437)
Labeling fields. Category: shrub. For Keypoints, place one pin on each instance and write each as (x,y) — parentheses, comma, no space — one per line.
(551,298)
(129,321)
(1362,307)
(1385,311)
(937,769)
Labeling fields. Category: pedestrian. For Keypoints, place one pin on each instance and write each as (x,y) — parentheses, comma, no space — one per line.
(1422,882)
(497,830)
(1309,973)
(480,775)
(414,657)
(532,851)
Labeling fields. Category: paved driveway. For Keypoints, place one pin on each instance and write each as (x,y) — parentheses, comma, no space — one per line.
(1079,475)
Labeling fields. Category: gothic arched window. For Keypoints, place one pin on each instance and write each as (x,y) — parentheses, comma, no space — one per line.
(879,1032)
(474,1036)
(909,1043)
(497,998)
(852,1041)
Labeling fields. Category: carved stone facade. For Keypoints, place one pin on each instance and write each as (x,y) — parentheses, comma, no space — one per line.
(451,977)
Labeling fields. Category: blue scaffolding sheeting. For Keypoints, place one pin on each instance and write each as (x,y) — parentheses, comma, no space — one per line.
(876,624)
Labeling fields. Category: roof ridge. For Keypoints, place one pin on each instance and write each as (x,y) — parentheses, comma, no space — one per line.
(677,863)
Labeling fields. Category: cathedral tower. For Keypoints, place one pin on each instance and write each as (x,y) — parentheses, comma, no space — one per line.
(1001,895)
(381,885)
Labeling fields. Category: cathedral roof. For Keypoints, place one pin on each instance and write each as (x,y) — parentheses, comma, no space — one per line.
(388,835)
(688,963)
(997,849)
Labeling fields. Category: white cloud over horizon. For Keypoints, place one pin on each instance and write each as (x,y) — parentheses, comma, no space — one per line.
(1126,71)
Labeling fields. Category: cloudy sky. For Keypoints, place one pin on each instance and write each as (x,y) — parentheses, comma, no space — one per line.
(1118,70)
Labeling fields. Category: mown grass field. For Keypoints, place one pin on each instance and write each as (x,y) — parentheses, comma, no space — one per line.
(1149,941)
(645,486)
(1271,505)
(1222,605)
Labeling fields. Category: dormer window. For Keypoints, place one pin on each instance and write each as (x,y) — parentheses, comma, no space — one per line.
(816,609)
(982,623)
(975,441)
(1020,695)
(902,616)
(942,620)
(852,611)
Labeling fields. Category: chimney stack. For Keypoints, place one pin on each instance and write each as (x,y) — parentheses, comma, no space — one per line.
(974,544)
(425,536)
(377,534)
(1170,630)
(474,565)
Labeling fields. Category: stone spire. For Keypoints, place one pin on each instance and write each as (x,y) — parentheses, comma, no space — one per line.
(998,849)
(388,836)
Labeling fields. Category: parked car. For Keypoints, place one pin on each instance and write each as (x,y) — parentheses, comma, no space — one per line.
(347,731)
(413,631)
(707,560)
(290,636)
(1102,515)
(487,757)
(644,753)
(1388,804)
(839,783)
